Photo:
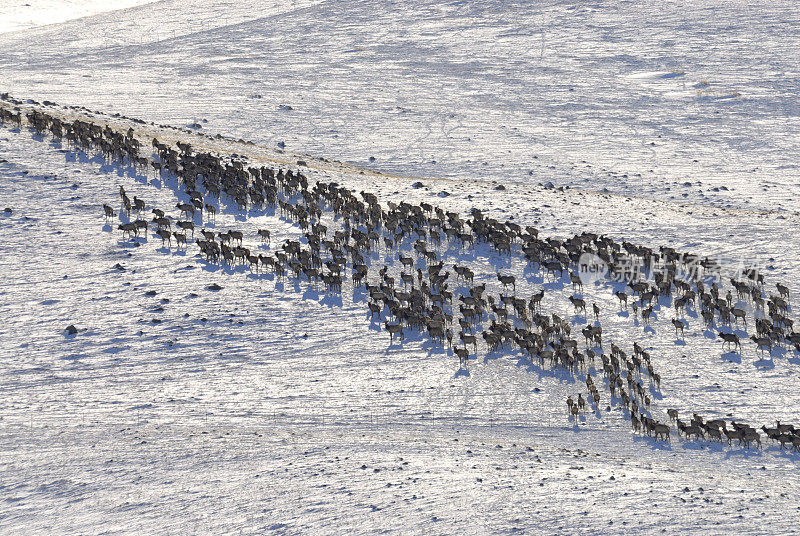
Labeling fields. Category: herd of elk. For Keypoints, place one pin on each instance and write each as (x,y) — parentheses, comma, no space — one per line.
(426,301)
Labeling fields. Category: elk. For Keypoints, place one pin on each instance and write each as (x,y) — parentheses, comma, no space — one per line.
(166,236)
(536,301)
(576,281)
(579,304)
(783,290)
(507,280)
(678,326)
(762,342)
(730,338)
(186,226)
(469,339)
(394,329)
(186,209)
(661,431)
(180,238)
(463,355)
(129,228)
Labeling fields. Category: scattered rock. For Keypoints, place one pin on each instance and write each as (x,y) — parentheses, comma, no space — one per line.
(282,145)
(8,210)
(285,107)
(301,163)
(417,185)
(214,287)
(371,158)
(71,330)
(500,187)
(444,193)
(118,266)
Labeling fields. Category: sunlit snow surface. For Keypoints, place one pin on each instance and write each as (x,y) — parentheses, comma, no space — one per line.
(16,15)
(271,408)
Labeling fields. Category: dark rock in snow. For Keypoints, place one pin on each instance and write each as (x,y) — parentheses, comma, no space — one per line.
(71,330)
(417,185)
(301,163)
(214,287)
(500,187)
(444,193)
(8,210)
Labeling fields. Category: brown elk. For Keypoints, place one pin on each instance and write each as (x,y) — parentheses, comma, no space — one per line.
(186,226)
(166,236)
(463,355)
(187,209)
(507,280)
(730,338)
(579,304)
(180,238)
(394,329)
(678,326)
(129,228)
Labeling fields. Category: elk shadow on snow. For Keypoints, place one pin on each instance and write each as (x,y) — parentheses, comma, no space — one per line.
(461,372)
(653,443)
(732,357)
(556,372)
(764,364)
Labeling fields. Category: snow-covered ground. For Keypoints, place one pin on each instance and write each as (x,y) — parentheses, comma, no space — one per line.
(16,15)
(272,407)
